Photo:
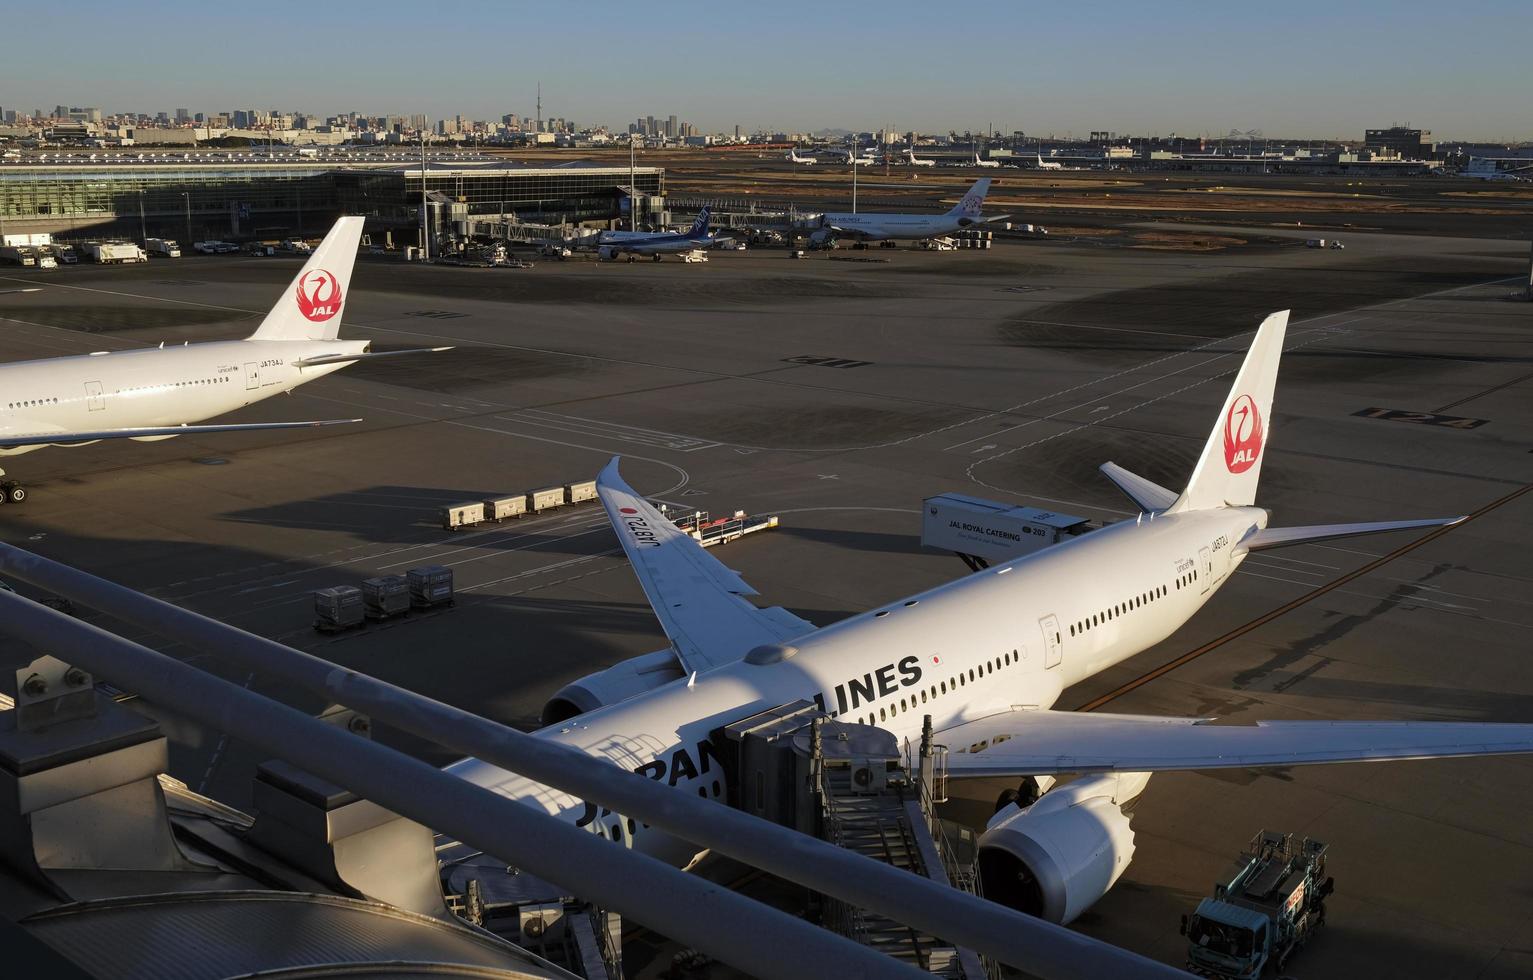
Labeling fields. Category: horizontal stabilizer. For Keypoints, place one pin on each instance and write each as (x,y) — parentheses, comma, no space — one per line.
(348,358)
(152,432)
(1147,495)
(1022,743)
(1282,537)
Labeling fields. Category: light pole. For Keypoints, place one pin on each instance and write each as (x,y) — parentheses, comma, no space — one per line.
(187,195)
(425,237)
(143,232)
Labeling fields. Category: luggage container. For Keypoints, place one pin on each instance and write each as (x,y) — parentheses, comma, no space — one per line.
(337,608)
(546,499)
(430,585)
(465,514)
(385,596)
(499,508)
(579,493)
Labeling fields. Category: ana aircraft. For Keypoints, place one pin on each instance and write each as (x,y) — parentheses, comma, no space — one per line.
(914,161)
(793,157)
(985,657)
(157,393)
(876,226)
(1048,164)
(611,244)
(988,164)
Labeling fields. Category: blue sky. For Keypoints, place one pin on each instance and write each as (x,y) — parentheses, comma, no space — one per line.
(1460,68)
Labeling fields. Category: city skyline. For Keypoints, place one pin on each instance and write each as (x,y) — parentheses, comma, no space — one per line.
(1187,69)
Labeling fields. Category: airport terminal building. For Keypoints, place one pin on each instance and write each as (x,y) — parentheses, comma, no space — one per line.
(192,199)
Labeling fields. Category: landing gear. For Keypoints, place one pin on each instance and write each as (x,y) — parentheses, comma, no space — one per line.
(1027,793)
(12,492)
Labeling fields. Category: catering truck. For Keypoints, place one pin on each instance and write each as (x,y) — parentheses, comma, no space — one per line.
(1268,906)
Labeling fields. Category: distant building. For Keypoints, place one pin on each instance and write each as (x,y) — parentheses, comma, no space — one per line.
(1409,144)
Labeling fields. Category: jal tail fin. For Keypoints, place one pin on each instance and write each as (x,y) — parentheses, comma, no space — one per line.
(974,201)
(700,226)
(310,308)
(1231,463)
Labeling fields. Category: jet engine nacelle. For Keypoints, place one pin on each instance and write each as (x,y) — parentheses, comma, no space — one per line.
(617,683)
(821,236)
(606,252)
(1056,858)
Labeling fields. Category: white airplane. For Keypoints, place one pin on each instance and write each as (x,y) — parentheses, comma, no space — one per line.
(793,157)
(156,393)
(986,657)
(611,244)
(914,161)
(987,164)
(1482,169)
(1049,164)
(877,226)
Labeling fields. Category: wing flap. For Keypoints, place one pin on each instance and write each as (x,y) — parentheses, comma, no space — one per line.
(152,432)
(348,358)
(1023,743)
(1282,537)
(698,601)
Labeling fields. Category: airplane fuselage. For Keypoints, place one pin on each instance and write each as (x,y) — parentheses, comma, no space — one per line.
(1013,635)
(879,227)
(153,386)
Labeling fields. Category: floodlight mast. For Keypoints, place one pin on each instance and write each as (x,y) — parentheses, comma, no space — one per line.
(699,912)
(1040,948)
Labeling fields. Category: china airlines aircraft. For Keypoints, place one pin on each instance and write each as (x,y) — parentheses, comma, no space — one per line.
(986,657)
(875,226)
(156,393)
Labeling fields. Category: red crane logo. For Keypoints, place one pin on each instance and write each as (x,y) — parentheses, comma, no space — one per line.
(1242,435)
(319,295)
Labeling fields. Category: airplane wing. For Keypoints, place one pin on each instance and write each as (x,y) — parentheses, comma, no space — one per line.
(1032,742)
(697,600)
(150,432)
(348,358)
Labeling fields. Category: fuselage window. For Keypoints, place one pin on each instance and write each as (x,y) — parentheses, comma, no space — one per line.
(944,687)
(882,716)
(923,697)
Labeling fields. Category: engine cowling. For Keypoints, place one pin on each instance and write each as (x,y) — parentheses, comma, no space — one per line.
(617,683)
(1056,858)
(606,253)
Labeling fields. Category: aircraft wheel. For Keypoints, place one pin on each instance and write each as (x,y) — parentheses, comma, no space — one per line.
(657,258)
(15,493)
(1006,799)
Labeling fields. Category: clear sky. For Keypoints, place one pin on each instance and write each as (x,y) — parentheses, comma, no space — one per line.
(1461,68)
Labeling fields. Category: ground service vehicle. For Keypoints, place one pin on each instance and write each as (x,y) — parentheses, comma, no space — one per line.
(162,246)
(1273,900)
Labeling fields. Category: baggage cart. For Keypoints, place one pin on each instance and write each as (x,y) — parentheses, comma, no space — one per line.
(576,493)
(337,608)
(545,499)
(430,585)
(466,514)
(385,596)
(499,508)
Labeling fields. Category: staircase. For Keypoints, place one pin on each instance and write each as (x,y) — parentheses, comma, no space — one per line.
(888,826)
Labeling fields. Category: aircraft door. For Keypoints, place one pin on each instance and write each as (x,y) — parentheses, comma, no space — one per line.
(1208,569)
(94,400)
(1053,647)
(252,375)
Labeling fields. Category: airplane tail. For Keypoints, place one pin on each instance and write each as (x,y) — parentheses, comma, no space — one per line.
(973,201)
(310,309)
(700,226)
(1231,462)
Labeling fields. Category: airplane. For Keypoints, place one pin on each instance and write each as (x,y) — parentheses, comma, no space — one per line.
(1482,169)
(793,157)
(985,657)
(876,226)
(988,164)
(611,244)
(912,160)
(1050,164)
(157,393)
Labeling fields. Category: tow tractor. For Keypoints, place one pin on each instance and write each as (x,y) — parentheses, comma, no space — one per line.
(1273,900)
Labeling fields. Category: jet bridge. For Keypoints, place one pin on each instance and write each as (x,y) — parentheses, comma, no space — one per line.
(850,785)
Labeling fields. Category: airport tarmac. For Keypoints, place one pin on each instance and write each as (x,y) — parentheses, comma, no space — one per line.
(1011,373)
